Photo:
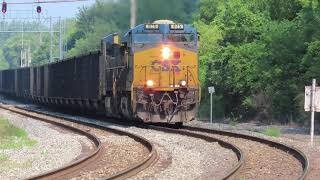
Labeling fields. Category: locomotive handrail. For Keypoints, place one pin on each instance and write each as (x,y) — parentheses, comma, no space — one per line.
(117,67)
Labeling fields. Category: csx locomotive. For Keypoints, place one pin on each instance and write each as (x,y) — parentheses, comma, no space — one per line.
(150,74)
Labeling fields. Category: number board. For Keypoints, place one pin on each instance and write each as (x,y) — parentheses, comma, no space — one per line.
(152,26)
(176,26)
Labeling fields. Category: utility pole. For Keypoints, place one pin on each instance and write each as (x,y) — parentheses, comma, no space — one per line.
(51,39)
(22,53)
(60,40)
(133,15)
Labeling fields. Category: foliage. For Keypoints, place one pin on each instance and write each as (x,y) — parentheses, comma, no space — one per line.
(273,131)
(3,158)
(260,55)
(105,17)
(12,137)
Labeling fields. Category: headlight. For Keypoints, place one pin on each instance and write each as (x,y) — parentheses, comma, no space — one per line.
(183,83)
(166,52)
(149,83)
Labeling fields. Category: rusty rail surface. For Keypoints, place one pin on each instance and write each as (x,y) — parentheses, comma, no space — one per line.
(222,143)
(299,155)
(126,173)
(62,170)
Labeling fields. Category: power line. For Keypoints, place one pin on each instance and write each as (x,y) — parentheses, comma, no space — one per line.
(46,2)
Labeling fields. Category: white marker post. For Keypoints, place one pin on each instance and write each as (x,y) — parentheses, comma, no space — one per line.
(211,91)
(313,93)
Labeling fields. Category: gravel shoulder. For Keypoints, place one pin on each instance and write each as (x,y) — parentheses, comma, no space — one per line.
(180,157)
(293,136)
(54,148)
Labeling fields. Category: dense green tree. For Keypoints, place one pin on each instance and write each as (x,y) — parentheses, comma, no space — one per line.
(265,53)
(105,17)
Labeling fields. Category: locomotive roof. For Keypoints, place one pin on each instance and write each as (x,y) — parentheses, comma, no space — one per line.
(161,28)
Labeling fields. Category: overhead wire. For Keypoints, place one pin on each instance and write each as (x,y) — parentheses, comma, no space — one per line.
(46,2)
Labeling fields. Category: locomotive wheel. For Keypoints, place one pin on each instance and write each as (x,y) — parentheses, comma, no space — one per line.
(107,106)
(125,107)
(178,125)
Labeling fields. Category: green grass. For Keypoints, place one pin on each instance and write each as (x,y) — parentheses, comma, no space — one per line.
(12,137)
(274,132)
(3,158)
(233,122)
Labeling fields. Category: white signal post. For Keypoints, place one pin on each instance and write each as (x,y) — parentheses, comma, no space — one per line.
(313,93)
(211,91)
(312,104)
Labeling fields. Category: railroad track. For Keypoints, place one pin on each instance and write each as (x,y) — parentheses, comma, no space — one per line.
(222,143)
(202,133)
(296,153)
(227,145)
(92,157)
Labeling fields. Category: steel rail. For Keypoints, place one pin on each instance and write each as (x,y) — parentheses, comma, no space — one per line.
(129,171)
(224,144)
(299,155)
(234,148)
(54,172)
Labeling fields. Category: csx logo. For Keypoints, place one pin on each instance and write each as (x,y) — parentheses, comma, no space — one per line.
(165,65)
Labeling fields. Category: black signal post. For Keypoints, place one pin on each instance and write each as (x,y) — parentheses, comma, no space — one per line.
(4,7)
(39,9)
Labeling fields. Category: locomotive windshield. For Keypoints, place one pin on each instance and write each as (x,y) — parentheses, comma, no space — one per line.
(147,38)
(181,37)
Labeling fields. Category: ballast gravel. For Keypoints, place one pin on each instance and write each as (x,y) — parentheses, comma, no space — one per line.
(54,148)
(179,157)
(262,161)
(189,158)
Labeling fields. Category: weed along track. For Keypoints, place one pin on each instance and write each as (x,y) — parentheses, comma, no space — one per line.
(100,161)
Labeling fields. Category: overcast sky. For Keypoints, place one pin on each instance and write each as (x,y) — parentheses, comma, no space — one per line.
(65,9)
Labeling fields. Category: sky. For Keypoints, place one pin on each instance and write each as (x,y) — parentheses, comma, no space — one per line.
(64,10)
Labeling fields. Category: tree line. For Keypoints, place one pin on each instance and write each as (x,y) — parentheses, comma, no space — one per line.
(259,54)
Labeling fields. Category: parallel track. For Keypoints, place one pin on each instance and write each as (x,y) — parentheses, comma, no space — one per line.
(299,155)
(222,143)
(195,132)
(60,172)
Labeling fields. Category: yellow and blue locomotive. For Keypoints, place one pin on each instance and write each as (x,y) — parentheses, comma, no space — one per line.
(152,72)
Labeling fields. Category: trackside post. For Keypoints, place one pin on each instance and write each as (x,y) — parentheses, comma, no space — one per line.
(211,91)
(312,104)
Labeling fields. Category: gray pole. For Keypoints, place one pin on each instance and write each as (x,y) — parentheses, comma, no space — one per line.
(211,108)
(133,10)
(313,93)
(50,39)
(60,39)
(22,46)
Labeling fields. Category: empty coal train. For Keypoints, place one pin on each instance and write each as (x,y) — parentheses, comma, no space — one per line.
(150,74)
